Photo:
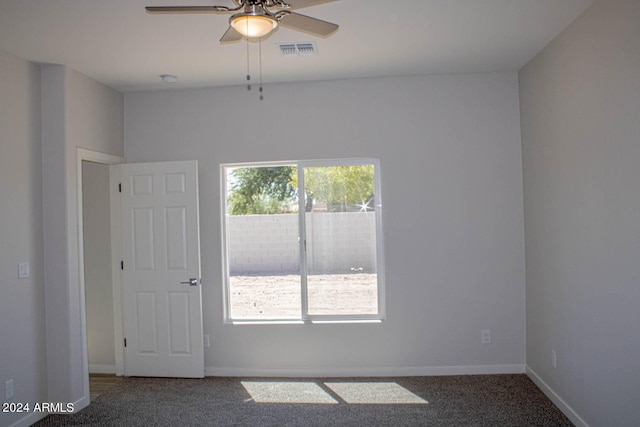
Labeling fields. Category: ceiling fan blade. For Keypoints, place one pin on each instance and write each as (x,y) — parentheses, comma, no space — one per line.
(307,24)
(187,9)
(299,4)
(231,35)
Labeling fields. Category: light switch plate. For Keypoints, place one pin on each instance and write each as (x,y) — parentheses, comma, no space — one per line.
(23,270)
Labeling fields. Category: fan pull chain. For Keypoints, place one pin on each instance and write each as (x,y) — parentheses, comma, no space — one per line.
(248,69)
(260,57)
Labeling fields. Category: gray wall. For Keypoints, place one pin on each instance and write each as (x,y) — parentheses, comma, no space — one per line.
(580,106)
(77,112)
(22,326)
(451,173)
(97,267)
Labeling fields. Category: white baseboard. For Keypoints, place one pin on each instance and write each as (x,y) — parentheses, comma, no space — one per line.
(556,399)
(101,369)
(365,372)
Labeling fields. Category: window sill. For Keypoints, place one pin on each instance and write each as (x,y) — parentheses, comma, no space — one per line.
(302,322)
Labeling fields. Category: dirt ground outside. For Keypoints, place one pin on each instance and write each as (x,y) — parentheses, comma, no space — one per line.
(279,297)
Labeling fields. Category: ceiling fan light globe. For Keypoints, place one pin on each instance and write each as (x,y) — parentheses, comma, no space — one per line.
(253,26)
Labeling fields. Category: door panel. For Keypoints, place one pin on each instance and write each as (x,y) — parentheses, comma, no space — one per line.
(179,323)
(162,315)
(147,331)
(143,250)
(176,237)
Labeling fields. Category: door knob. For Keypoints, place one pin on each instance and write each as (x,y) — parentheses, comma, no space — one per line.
(191,282)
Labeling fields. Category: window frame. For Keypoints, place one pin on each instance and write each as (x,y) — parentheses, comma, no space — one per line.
(305,316)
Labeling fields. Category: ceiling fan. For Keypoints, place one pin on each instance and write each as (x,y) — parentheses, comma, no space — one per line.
(255,19)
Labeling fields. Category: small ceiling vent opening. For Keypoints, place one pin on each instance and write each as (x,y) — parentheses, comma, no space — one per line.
(298,49)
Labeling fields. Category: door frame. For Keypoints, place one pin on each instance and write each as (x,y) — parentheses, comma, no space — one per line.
(83,154)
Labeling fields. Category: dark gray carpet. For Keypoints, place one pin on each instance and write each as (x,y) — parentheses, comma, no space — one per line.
(476,400)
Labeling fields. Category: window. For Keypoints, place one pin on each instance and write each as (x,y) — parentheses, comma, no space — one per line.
(302,241)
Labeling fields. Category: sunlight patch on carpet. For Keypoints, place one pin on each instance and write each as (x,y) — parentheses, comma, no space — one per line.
(381,393)
(287,392)
(370,393)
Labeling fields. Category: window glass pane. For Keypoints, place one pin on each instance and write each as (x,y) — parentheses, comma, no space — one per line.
(264,240)
(263,247)
(340,223)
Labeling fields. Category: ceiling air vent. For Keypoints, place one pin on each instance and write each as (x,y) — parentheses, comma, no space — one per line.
(298,49)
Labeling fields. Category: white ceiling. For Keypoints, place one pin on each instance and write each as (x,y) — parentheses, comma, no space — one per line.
(116,42)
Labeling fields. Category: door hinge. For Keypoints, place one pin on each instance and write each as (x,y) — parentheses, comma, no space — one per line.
(120,188)
(125,342)
(121,265)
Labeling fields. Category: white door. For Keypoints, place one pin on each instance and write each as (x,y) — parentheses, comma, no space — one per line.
(161,293)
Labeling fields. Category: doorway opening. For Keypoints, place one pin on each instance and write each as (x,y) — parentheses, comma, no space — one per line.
(97,271)
(98,280)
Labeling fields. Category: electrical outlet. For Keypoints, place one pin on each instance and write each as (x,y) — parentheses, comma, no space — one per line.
(23,270)
(485,336)
(8,389)
(554,359)
(205,341)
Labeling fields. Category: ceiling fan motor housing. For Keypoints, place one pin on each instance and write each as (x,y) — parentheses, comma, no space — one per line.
(255,21)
